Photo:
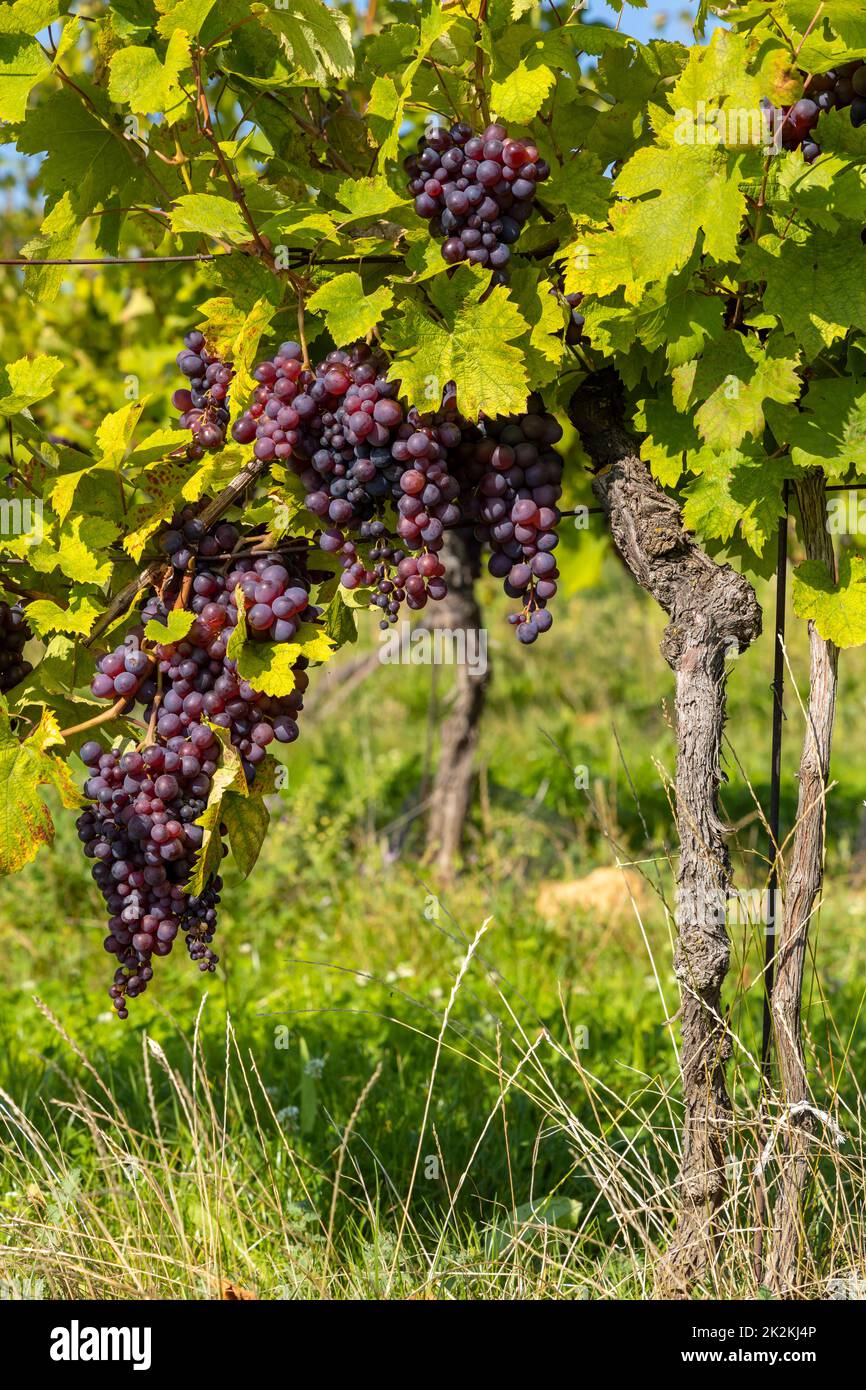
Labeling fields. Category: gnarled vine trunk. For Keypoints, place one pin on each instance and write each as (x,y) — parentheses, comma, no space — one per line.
(713,614)
(804,880)
(451,795)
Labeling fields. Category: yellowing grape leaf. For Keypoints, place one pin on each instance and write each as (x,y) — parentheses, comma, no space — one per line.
(25,821)
(26,381)
(837,610)
(349,312)
(473,345)
(727,387)
(180,620)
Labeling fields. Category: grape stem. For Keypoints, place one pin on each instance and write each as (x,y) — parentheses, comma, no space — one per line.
(479,65)
(116,709)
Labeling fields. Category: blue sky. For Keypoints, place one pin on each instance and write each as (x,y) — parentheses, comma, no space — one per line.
(643,24)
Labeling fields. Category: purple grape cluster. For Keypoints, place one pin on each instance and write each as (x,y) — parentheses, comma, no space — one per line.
(272,423)
(355,449)
(14,636)
(842,88)
(142,834)
(187,537)
(204,404)
(185,683)
(513,481)
(141,830)
(476,191)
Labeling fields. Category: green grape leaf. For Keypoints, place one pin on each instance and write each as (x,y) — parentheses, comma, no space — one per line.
(669,436)
(80,153)
(229,781)
(246,820)
(140,81)
(367,198)
(180,620)
(316,38)
(349,312)
(809,286)
(80,553)
(736,490)
(829,429)
(114,434)
(837,610)
(520,96)
(57,238)
(45,616)
(840,34)
(733,379)
(473,344)
(27,381)
(339,620)
(211,215)
(696,191)
(188,15)
(22,65)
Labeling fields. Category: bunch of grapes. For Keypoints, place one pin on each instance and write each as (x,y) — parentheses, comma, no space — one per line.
(187,537)
(203,405)
(513,479)
(842,88)
(355,449)
(141,833)
(272,422)
(14,635)
(183,684)
(475,190)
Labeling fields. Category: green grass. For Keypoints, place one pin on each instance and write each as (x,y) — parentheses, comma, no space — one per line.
(312,1128)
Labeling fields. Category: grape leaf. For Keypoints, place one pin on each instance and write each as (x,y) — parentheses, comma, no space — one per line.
(316,38)
(339,621)
(80,152)
(349,312)
(368,198)
(840,34)
(246,820)
(81,552)
(229,780)
(114,434)
(26,381)
(669,436)
(736,490)
(837,610)
(520,96)
(697,191)
(140,81)
(56,239)
(733,379)
(78,617)
(810,287)
(473,346)
(829,429)
(22,64)
(180,620)
(25,821)
(211,215)
(188,15)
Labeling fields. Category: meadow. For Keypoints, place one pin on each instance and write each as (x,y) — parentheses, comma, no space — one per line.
(395,1087)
